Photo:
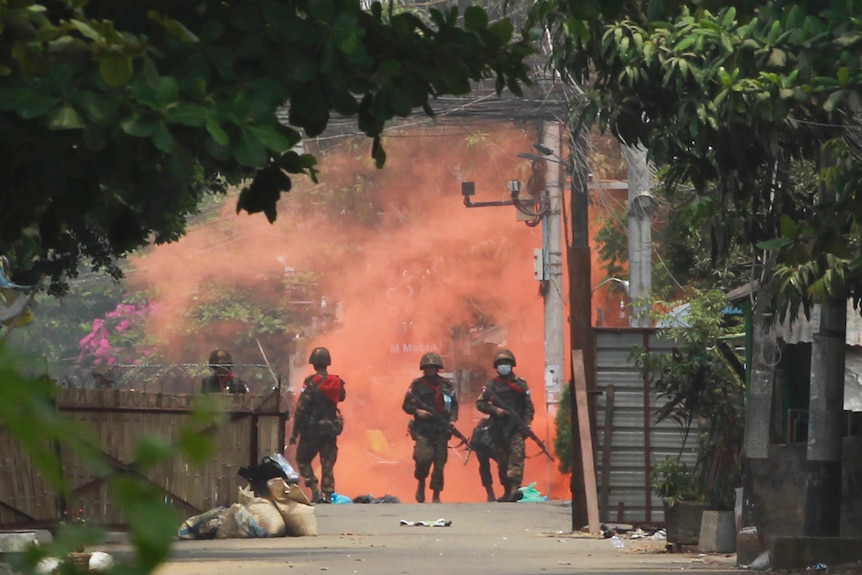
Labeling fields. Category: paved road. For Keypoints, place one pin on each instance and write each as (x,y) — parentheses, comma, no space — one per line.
(483,539)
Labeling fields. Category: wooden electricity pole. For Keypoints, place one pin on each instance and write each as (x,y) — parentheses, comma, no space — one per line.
(580,322)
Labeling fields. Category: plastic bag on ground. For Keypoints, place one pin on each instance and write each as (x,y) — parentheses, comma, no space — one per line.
(202,526)
(339,498)
(239,523)
(290,473)
(531,494)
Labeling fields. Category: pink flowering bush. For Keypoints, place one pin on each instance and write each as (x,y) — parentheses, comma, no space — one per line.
(118,338)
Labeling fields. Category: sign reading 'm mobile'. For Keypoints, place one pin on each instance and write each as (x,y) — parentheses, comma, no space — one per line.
(413,348)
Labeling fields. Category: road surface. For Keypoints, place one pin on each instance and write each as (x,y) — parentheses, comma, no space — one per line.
(482,539)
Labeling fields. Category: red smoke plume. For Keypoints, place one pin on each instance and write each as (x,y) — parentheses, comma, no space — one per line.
(405,261)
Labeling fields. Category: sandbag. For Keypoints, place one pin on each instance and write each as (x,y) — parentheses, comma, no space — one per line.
(264,511)
(280,490)
(239,523)
(294,507)
(202,526)
(299,519)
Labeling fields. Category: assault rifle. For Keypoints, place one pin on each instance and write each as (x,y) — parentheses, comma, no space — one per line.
(522,425)
(441,419)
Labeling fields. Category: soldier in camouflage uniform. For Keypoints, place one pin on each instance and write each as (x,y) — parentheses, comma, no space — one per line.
(431,433)
(508,450)
(317,423)
(223,378)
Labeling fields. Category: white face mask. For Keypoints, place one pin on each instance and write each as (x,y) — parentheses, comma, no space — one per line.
(504,369)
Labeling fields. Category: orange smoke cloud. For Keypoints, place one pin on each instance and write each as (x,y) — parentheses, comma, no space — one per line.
(405,264)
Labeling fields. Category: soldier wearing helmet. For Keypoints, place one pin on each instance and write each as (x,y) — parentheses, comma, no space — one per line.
(317,423)
(223,379)
(430,430)
(506,392)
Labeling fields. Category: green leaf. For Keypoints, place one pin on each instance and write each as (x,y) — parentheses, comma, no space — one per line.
(777,58)
(163,140)
(248,151)
(187,114)
(789,227)
(150,518)
(270,137)
(834,101)
(95,106)
(294,163)
(198,447)
(775,244)
(174,28)
(141,127)
(36,106)
(150,450)
(116,71)
(65,118)
(475,18)
(685,43)
(86,30)
(167,91)
(216,132)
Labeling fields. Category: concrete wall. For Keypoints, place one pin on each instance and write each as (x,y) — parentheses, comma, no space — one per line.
(779,490)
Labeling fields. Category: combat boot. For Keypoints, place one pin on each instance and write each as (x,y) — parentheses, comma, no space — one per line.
(514,493)
(326,498)
(489,490)
(436,496)
(420,491)
(316,496)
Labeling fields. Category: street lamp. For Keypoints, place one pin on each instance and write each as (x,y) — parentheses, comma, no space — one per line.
(536,211)
(623,283)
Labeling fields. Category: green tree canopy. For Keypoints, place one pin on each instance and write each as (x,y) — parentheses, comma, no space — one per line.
(117,118)
(728,97)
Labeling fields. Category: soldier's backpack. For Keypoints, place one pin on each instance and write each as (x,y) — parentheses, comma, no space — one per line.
(482,439)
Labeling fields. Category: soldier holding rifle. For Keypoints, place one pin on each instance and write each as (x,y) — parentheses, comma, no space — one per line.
(506,398)
(431,401)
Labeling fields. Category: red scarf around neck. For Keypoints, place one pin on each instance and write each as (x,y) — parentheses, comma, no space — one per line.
(329,387)
(514,386)
(438,394)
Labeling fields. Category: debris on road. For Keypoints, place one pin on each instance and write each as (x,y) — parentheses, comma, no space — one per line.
(439,523)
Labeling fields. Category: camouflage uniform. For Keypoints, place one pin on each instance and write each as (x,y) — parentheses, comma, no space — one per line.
(431,434)
(317,422)
(508,449)
(223,379)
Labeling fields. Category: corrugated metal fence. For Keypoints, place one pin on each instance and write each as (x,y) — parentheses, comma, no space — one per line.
(253,427)
(628,439)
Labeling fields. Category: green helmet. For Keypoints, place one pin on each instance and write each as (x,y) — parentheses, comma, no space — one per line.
(320,357)
(220,358)
(431,360)
(504,356)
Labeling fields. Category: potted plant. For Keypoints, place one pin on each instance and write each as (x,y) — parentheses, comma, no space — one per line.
(704,395)
(683,497)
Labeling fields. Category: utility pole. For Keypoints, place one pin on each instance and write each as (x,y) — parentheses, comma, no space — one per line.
(552,246)
(580,318)
(825,407)
(641,209)
(552,252)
